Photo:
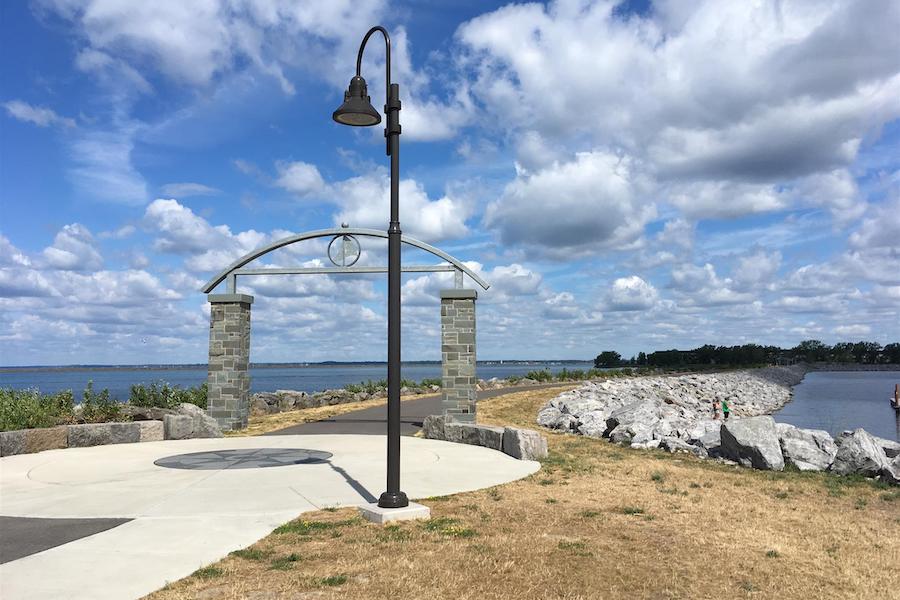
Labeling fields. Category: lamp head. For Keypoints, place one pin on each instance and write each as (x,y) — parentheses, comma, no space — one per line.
(357,109)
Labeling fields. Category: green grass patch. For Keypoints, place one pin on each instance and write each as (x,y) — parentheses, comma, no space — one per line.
(285,563)
(893,496)
(658,476)
(208,573)
(303,527)
(772,554)
(251,554)
(333,580)
(449,527)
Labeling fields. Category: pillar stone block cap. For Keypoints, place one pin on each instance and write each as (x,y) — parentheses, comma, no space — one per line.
(458,294)
(230,299)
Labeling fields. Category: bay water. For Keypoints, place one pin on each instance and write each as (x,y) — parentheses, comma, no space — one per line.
(839,400)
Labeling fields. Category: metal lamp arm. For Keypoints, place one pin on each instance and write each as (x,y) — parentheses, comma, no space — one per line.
(387,62)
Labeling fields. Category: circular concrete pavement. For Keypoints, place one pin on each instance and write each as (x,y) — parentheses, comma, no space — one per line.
(184,518)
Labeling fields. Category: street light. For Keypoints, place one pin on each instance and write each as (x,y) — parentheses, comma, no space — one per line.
(357,111)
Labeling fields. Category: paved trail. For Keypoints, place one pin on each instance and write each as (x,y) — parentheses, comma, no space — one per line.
(373,421)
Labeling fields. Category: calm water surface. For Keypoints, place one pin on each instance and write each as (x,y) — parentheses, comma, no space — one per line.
(838,400)
(306,379)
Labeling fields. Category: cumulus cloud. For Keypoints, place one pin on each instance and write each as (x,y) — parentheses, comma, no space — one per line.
(40,116)
(701,286)
(723,104)
(299,178)
(631,293)
(573,208)
(364,201)
(881,229)
(73,249)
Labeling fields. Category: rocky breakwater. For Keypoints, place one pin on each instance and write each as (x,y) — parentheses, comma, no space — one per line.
(267,403)
(675,414)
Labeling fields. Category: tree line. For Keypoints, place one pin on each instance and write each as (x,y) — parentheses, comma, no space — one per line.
(810,351)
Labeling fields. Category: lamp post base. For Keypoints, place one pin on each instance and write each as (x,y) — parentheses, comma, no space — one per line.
(393,500)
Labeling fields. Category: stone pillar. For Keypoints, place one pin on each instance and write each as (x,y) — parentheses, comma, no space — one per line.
(229,360)
(458,354)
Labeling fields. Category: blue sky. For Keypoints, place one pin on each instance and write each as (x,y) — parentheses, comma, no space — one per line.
(628,176)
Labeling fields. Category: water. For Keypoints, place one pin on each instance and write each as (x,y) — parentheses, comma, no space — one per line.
(306,379)
(839,400)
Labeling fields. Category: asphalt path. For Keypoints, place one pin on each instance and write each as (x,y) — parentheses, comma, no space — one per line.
(373,421)
(23,536)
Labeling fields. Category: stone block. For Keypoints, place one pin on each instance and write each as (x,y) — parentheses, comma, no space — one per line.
(177,427)
(203,425)
(100,434)
(433,427)
(12,442)
(461,433)
(152,431)
(524,444)
(49,438)
(753,442)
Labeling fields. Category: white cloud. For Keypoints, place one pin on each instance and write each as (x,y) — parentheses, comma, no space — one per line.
(881,229)
(299,178)
(180,231)
(42,117)
(125,231)
(73,249)
(631,293)
(701,286)
(102,166)
(10,255)
(756,269)
(365,202)
(574,208)
(183,190)
(849,331)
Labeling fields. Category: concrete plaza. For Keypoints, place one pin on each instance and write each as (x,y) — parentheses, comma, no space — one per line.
(158,524)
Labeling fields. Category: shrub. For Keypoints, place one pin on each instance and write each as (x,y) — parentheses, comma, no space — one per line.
(98,408)
(28,409)
(428,382)
(542,375)
(160,395)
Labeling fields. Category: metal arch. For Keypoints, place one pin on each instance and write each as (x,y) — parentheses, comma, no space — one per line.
(309,235)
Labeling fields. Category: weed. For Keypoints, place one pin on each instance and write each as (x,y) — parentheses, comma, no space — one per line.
(589,514)
(333,580)
(449,527)
(307,527)
(393,533)
(576,548)
(658,476)
(891,496)
(631,510)
(861,503)
(748,586)
(781,495)
(208,572)
(694,485)
(550,501)
(546,482)
(285,563)
(772,554)
(252,554)
(495,494)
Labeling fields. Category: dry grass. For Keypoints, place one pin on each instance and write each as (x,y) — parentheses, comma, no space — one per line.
(266,423)
(597,521)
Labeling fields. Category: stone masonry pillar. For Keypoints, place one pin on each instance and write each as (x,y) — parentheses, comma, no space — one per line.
(458,354)
(229,360)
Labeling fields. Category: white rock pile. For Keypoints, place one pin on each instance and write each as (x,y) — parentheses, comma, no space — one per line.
(675,414)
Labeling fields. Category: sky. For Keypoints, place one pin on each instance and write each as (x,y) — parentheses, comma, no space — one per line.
(627,176)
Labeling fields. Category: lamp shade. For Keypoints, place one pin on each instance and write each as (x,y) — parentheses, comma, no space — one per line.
(357,109)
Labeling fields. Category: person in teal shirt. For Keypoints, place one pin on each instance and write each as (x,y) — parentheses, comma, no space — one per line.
(725,409)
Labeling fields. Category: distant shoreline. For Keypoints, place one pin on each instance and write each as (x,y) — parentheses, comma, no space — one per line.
(311,365)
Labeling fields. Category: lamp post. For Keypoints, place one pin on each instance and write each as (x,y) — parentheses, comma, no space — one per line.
(357,111)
